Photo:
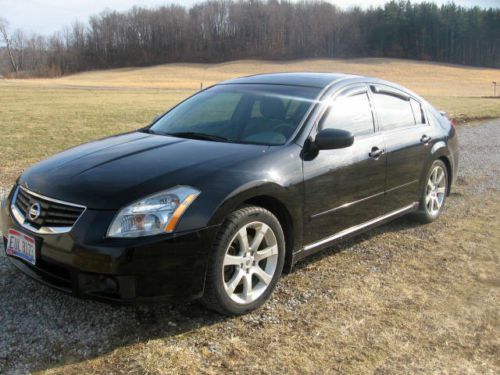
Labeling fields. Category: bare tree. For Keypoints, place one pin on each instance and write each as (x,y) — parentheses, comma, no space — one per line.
(4,27)
(18,45)
(219,30)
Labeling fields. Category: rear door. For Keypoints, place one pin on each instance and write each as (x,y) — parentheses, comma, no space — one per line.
(407,138)
(345,187)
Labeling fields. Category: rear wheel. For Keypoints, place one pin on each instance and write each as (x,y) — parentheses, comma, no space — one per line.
(246,261)
(433,196)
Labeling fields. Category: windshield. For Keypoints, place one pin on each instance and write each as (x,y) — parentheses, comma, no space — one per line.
(258,114)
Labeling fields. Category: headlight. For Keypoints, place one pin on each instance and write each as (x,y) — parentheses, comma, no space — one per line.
(157,213)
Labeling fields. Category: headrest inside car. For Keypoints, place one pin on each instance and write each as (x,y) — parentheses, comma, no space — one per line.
(272,108)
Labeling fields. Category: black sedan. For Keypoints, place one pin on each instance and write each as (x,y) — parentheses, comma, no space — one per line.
(229,189)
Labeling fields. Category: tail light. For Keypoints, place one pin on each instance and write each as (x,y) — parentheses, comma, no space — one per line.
(450,120)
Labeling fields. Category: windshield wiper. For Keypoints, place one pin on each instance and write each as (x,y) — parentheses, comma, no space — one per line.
(150,131)
(203,136)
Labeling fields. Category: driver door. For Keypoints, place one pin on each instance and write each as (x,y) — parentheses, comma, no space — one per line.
(345,187)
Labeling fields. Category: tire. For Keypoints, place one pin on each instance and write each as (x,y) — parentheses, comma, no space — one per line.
(433,195)
(240,277)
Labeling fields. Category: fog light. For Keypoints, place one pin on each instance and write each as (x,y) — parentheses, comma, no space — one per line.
(108,284)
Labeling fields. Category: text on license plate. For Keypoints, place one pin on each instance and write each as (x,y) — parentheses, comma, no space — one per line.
(21,246)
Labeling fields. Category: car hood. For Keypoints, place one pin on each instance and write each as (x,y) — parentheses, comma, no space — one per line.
(112,172)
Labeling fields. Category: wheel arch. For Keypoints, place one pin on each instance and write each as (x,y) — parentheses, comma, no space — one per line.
(447,163)
(278,209)
(440,151)
(284,203)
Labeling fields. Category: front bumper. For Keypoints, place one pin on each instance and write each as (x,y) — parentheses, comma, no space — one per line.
(86,264)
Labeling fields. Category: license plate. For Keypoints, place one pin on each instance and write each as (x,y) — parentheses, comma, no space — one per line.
(21,246)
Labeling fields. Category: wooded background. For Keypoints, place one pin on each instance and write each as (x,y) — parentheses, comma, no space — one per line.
(221,30)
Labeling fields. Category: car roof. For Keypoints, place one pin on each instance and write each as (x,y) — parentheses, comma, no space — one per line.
(316,80)
(307,79)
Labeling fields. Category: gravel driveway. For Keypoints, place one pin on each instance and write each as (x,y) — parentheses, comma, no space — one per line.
(41,328)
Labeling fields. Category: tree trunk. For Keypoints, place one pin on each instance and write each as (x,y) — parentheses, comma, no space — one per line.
(9,51)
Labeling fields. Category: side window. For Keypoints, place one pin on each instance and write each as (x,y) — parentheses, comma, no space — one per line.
(393,112)
(418,113)
(352,113)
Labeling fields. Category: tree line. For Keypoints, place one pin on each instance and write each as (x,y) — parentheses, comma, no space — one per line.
(221,30)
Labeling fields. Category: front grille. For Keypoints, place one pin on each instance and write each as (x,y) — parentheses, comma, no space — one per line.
(52,213)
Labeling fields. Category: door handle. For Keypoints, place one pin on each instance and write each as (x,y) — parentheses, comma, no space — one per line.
(425,139)
(376,152)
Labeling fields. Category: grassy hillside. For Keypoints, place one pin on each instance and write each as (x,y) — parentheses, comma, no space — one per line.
(39,117)
(460,90)
(428,79)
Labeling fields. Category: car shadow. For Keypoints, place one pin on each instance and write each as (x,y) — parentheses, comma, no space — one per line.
(398,225)
(43,328)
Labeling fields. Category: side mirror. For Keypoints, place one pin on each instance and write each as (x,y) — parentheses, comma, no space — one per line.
(330,139)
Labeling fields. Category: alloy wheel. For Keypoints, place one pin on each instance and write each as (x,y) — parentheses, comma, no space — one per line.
(250,262)
(435,190)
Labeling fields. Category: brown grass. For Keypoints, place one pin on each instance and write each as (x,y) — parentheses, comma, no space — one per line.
(428,79)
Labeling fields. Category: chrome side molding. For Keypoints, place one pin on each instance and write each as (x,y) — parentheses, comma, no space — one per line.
(346,205)
(355,228)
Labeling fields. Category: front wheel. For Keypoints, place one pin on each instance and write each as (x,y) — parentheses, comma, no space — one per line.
(246,261)
(433,196)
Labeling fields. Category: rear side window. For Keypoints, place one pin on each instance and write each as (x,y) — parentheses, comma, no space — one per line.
(393,112)
(352,113)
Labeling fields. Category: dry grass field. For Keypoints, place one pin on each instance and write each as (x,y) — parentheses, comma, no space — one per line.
(426,78)
(461,91)
(399,299)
